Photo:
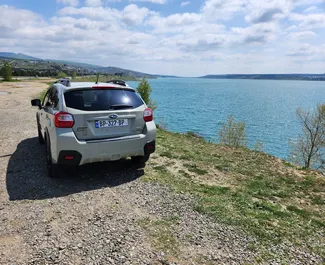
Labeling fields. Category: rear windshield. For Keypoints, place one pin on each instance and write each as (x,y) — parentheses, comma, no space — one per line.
(102,99)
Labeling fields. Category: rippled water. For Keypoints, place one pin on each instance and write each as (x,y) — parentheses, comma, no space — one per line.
(267,106)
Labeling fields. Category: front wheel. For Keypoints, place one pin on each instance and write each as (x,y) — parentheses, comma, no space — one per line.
(140,159)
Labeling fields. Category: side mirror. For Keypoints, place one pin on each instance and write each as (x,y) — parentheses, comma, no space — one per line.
(36,103)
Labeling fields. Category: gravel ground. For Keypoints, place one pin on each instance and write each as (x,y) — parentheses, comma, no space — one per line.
(101,214)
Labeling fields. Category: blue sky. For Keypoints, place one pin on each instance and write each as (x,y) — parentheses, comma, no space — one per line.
(177,37)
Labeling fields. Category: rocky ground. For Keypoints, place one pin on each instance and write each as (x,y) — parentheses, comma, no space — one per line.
(103,213)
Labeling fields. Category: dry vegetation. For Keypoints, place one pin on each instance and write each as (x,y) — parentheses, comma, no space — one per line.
(273,200)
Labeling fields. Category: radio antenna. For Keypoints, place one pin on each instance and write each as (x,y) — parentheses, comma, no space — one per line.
(97,78)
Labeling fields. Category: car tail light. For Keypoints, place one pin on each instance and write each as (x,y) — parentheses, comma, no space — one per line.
(63,120)
(148,115)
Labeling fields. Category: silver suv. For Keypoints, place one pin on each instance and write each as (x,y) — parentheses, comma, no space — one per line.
(83,122)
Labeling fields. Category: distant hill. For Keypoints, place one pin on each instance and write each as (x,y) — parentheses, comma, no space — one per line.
(21,56)
(24,64)
(307,77)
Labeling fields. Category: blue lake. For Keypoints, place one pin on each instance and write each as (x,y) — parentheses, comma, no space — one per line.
(267,106)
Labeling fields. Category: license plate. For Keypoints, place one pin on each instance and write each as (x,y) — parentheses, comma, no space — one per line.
(111,123)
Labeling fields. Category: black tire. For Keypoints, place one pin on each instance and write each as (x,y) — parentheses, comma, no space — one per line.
(40,137)
(52,169)
(140,159)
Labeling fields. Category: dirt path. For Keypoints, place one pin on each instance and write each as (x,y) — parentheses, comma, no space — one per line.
(102,214)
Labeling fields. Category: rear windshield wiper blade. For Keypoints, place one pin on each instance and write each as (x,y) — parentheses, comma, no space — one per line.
(120,106)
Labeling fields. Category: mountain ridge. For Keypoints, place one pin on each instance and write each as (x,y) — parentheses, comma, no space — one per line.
(65,65)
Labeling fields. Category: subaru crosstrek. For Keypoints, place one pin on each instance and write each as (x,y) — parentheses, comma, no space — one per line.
(82,122)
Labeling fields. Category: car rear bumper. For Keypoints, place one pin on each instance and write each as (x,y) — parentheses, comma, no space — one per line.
(69,150)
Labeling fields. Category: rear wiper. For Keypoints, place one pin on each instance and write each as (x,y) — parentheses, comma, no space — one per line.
(120,106)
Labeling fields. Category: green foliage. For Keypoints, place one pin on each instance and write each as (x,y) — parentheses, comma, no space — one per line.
(73,75)
(254,191)
(61,75)
(195,135)
(6,72)
(144,90)
(42,94)
(193,168)
(233,133)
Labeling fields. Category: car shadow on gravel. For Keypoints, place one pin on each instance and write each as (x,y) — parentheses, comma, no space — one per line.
(27,176)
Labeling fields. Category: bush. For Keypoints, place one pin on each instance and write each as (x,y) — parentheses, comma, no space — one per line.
(233,133)
(144,90)
(194,135)
(6,72)
(74,75)
(61,75)
(308,149)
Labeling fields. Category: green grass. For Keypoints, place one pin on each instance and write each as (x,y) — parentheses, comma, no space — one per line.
(160,232)
(260,195)
(193,168)
(42,95)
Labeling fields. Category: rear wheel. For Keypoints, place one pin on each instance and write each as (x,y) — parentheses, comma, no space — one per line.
(52,169)
(140,159)
(40,137)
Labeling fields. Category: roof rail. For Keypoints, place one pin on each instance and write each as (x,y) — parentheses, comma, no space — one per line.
(63,81)
(118,82)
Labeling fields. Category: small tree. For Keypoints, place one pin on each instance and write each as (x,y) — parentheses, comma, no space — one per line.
(144,90)
(61,74)
(308,150)
(74,75)
(233,133)
(6,72)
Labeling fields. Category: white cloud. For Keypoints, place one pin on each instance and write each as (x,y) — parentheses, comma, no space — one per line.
(94,13)
(312,9)
(151,1)
(309,21)
(174,21)
(255,34)
(267,11)
(307,50)
(302,35)
(94,3)
(68,2)
(221,10)
(185,3)
(307,2)
(138,38)
(133,15)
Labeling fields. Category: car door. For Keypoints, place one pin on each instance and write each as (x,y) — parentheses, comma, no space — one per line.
(47,111)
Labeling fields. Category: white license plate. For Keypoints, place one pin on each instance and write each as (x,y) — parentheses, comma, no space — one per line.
(111,123)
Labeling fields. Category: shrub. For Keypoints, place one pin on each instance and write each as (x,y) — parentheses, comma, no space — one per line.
(6,72)
(74,75)
(144,90)
(61,75)
(308,149)
(233,133)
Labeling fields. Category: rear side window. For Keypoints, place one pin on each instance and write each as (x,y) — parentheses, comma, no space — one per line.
(102,99)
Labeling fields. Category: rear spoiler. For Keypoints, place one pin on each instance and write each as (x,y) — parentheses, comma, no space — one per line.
(118,82)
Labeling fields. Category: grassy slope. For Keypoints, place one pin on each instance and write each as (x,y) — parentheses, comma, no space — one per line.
(270,199)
